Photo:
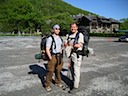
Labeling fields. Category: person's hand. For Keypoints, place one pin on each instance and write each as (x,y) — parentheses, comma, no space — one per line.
(77,45)
(50,58)
(72,45)
(65,44)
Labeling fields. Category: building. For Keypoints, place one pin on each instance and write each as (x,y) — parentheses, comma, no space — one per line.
(97,24)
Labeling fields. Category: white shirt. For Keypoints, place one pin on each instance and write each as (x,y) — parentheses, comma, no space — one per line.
(72,38)
(58,43)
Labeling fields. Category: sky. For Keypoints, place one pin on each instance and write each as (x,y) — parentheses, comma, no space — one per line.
(116,9)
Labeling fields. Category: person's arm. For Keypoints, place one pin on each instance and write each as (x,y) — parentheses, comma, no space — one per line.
(78,45)
(66,43)
(48,53)
(48,47)
(80,41)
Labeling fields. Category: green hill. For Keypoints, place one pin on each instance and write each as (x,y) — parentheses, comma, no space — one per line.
(53,7)
(29,15)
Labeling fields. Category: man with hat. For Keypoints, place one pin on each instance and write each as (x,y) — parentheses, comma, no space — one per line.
(55,61)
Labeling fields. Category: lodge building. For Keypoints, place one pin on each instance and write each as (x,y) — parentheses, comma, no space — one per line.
(97,24)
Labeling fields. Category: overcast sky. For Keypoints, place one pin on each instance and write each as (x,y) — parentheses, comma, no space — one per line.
(116,9)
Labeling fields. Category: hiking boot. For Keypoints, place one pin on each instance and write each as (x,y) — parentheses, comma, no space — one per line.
(73,91)
(48,89)
(59,85)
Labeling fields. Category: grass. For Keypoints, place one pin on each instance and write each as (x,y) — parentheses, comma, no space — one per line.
(91,34)
(107,34)
(19,35)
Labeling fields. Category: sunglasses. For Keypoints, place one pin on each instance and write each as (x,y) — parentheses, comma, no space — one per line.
(56,29)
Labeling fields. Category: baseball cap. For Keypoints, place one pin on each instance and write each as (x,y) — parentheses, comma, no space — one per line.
(56,26)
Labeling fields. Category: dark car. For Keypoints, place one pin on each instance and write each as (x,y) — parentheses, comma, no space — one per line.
(124,38)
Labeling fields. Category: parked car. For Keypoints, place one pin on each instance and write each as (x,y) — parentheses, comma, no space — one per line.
(124,38)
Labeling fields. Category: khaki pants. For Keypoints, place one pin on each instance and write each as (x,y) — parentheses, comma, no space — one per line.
(54,66)
(75,66)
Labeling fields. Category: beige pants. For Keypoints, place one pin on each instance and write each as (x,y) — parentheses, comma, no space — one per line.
(76,64)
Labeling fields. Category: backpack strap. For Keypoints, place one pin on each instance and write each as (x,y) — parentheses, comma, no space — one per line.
(53,41)
(61,40)
(69,38)
(83,48)
(76,38)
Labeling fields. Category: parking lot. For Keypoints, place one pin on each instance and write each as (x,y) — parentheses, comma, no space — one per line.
(102,74)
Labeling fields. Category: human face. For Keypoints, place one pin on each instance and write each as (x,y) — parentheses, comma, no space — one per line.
(56,31)
(73,28)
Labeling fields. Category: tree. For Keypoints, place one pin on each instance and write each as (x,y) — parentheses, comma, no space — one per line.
(63,19)
(29,15)
(124,24)
(20,15)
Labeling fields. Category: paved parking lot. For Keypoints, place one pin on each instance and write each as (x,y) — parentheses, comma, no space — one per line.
(105,74)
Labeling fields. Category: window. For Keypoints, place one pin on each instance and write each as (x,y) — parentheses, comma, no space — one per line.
(108,25)
(99,25)
(94,26)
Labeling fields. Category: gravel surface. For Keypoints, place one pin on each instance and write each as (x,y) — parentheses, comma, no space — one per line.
(102,74)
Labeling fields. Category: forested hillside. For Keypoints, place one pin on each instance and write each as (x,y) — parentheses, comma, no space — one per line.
(30,15)
(124,24)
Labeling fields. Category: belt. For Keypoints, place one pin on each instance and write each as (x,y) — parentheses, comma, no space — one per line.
(56,54)
(58,57)
(75,51)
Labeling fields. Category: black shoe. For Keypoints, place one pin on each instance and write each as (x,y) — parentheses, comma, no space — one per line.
(73,91)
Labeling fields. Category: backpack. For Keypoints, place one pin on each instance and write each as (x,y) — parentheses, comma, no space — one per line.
(44,55)
(43,46)
(85,32)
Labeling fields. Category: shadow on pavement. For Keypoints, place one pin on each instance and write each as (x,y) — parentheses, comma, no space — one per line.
(41,72)
(67,79)
(36,69)
(121,41)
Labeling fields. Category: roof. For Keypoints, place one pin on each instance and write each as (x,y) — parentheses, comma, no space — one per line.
(103,19)
(114,21)
(93,18)
(90,17)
